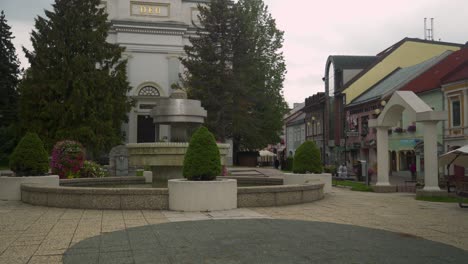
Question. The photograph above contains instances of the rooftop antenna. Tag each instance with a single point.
(429, 32)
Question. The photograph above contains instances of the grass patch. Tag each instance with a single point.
(441, 199)
(355, 186)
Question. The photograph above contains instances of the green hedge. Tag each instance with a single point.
(288, 164)
(307, 159)
(30, 157)
(330, 169)
(202, 161)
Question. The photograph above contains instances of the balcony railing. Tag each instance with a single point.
(456, 132)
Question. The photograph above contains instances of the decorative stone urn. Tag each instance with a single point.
(312, 178)
(197, 196)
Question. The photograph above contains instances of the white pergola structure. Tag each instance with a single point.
(420, 112)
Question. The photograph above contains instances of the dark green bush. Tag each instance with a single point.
(29, 157)
(202, 161)
(307, 159)
(8, 141)
(288, 164)
(330, 169)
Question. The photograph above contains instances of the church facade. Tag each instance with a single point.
(153, 33)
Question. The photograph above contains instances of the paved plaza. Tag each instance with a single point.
(345, 227)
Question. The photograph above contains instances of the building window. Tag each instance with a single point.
(456, 113)
(148, 91)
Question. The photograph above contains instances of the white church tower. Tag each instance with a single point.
(153, 33)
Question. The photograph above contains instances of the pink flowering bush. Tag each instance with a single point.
(67, 159)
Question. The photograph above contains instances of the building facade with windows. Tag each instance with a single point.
(315, 129)
(294, 129)
(455, 88)
(339, 69)
(153, 33)
(361, 141)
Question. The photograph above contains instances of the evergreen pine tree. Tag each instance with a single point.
(77, 84)
(9, 78)
(259, 68)
(209, 76)
(235, 67)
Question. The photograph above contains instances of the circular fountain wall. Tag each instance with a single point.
(66, 196)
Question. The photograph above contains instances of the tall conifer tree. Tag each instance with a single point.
(9, 78)
(9, 74)
(209, 74)
(77, 84)
(235, 67)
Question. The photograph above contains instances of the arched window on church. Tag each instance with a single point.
(148, 91)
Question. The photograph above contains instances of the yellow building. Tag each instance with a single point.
(405, 53)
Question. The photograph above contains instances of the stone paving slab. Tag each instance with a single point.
(34, 234)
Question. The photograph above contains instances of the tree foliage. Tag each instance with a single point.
(29, 157)
(9, 79)
(202, 161)
(77, 83)
(235, 67)
(307, 159)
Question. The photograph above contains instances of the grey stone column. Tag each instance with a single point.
(382, 157)
(431, 171)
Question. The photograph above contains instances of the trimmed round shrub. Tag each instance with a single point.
(67, 159)
(307, 159)
(202, 161)
(30, 157)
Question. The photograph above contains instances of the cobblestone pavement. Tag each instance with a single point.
(30, 234)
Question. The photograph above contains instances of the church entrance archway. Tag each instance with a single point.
(146, 131)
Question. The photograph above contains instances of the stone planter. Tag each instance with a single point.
(10, 187)
(325, 178)
(196, 196)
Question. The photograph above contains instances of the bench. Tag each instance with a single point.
(451, 181)
(462, 192)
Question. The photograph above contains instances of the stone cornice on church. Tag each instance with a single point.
(160, 28)
(164, 49)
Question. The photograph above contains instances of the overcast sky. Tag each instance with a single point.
(314, 30)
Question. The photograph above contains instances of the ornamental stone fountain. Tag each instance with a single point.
(166, 159)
